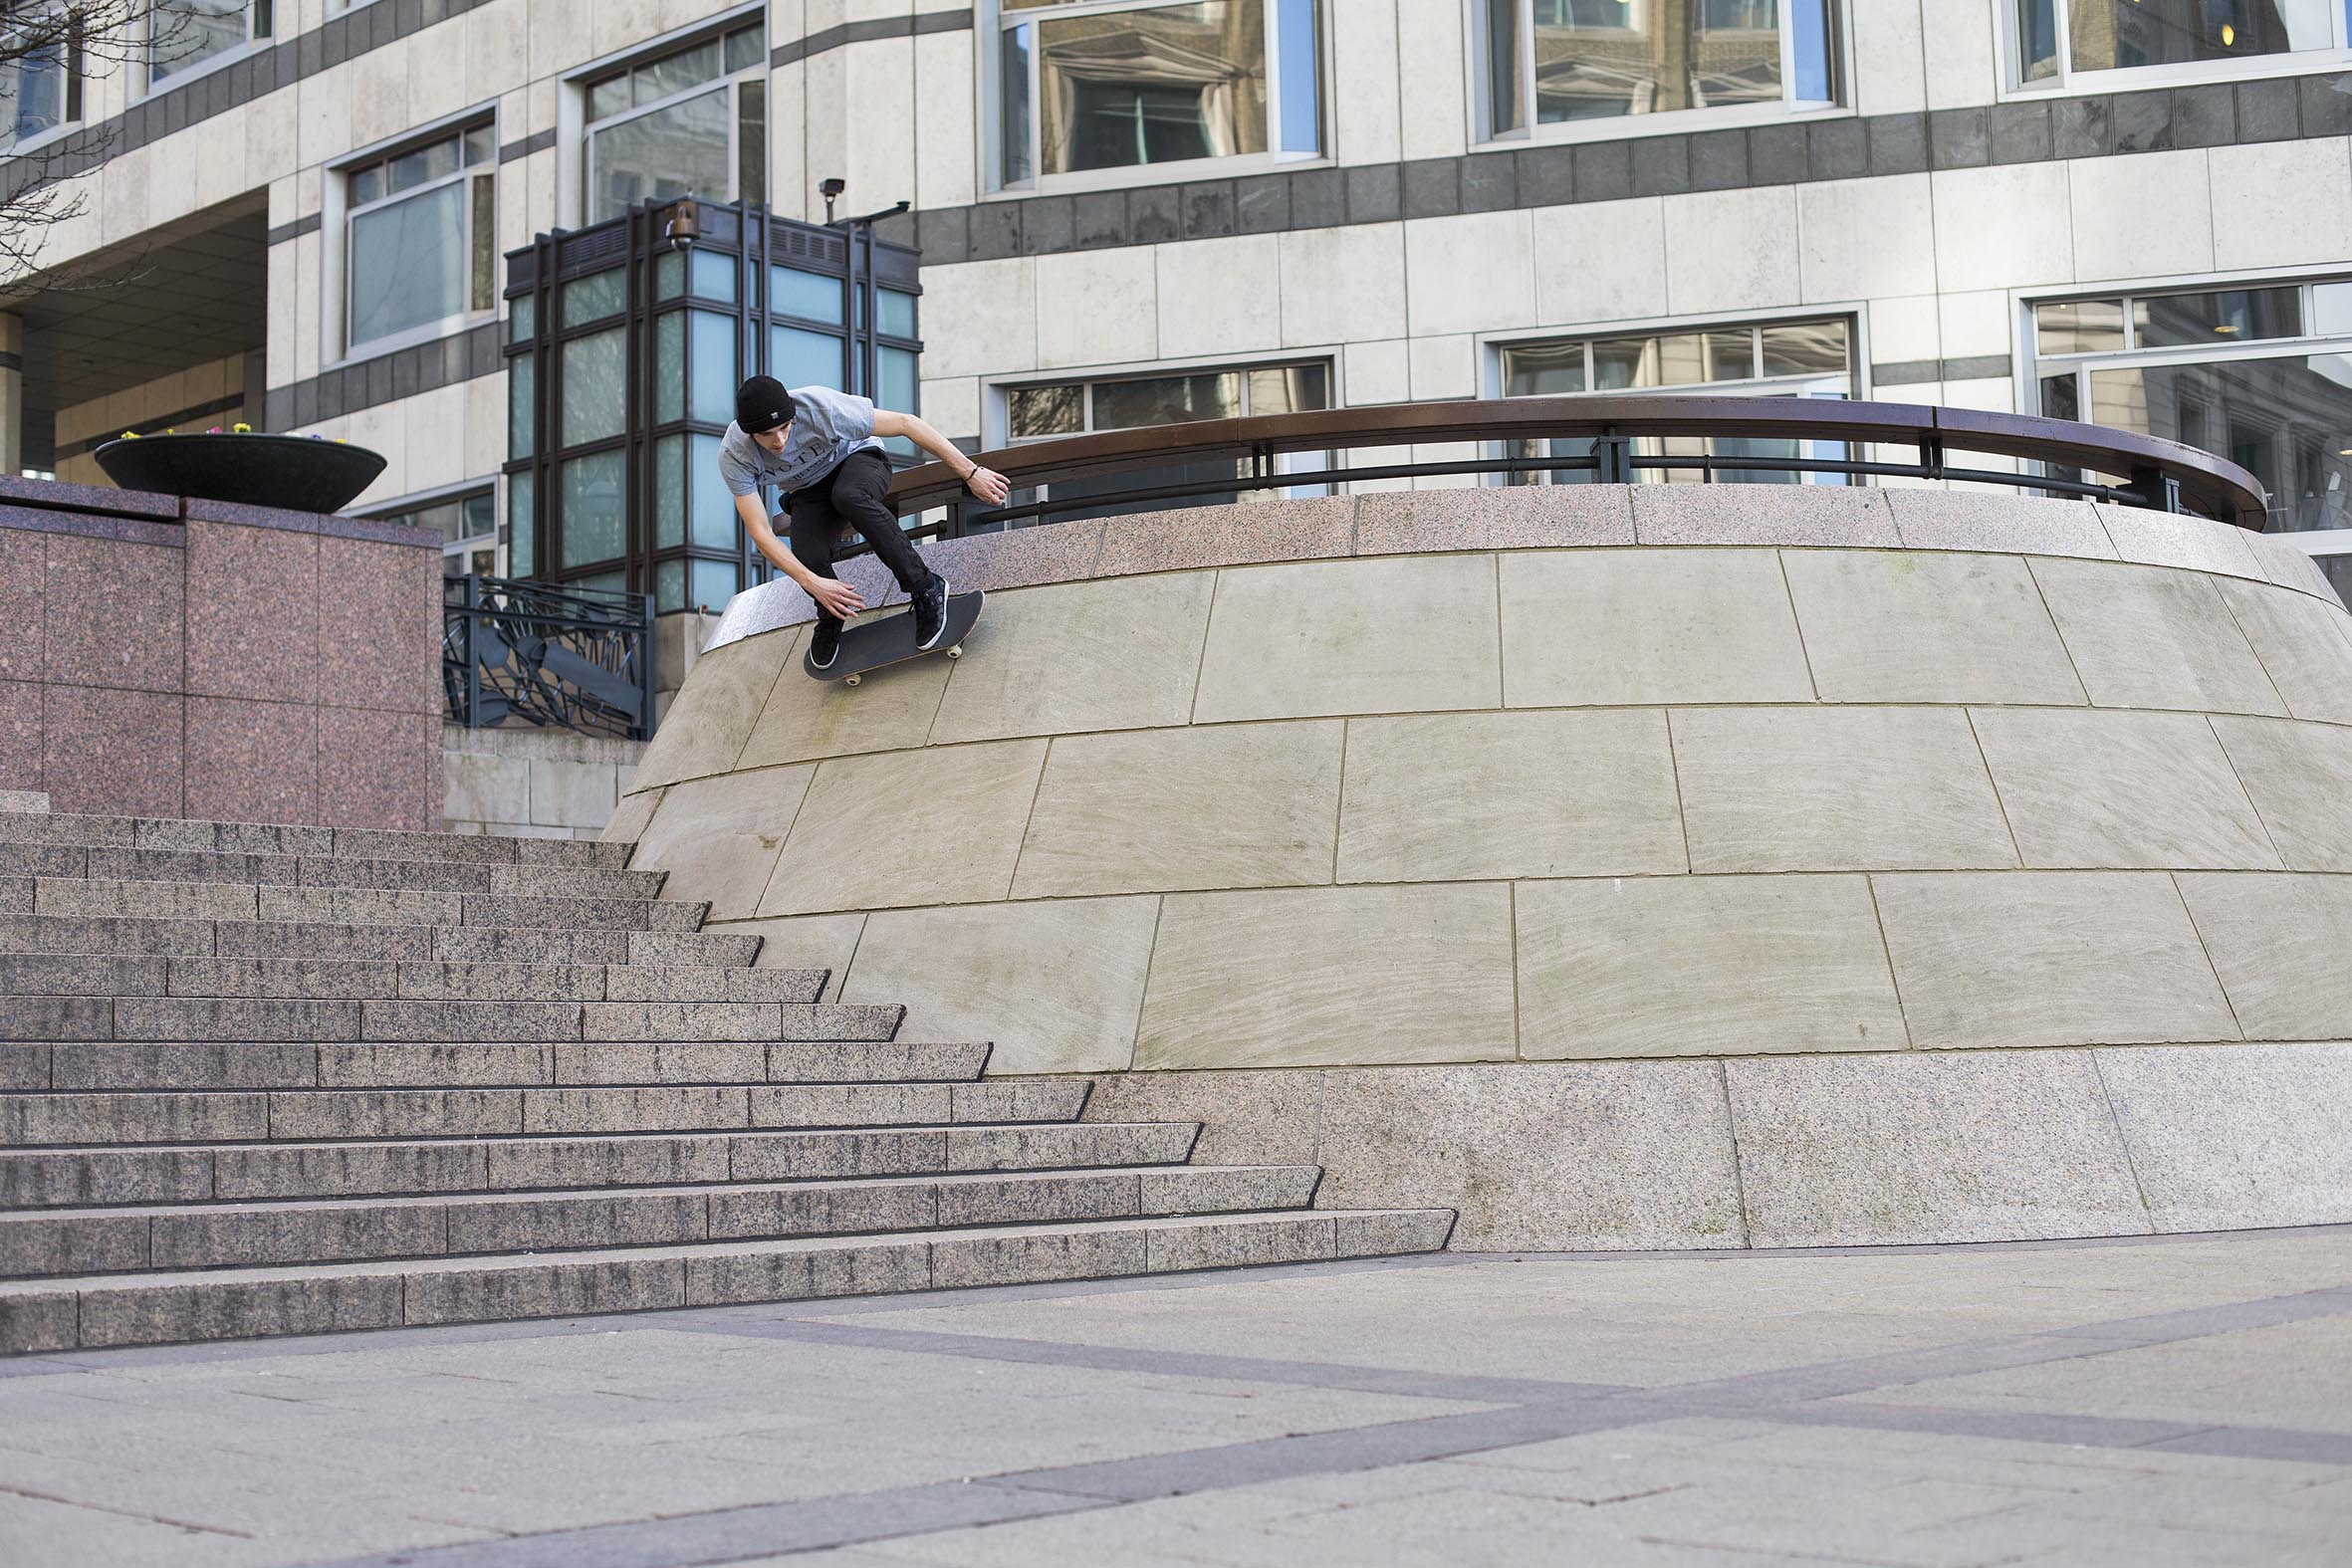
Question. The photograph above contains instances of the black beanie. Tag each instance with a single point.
(762, 403)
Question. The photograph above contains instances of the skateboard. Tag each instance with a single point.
(872, 644)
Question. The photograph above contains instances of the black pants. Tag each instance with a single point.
(851, 497)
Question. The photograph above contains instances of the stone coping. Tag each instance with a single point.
(135, 517)
(1489, 517)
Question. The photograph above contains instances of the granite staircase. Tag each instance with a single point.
(263, 1080)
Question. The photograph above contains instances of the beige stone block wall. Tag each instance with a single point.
(539, 784)
(1330, 790)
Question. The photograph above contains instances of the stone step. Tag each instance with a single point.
(190, 1019)
(171, 833)
(332, 979)
(425, 876)
(248, 1173)
(47, 1245)
(126, 1117)
(144, 1309)
(239, 902)
(140, 937)
(302, 1064)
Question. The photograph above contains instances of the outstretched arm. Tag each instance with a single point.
(836, 597)
(986, 483)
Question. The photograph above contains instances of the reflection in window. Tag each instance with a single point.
(41, 84)
(1141, 85)
(2262, 376)
(469, 530)
(420, 238)
(1574, 60)
(191, 32)
(2055, 37)
(692, 123)
(1064, 408)
(1773, 359)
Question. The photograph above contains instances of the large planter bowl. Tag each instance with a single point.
(292, 472)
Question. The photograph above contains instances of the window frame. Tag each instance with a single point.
(73, 114)
(2033, 366)
(991, 21)
(256, 40)
(2067, 82)
(342, 172)
(1478, 52)
(458, 493)
(582, 84)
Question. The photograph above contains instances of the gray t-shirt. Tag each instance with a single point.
(827, 427)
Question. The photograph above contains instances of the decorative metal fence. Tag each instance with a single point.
(534, 653)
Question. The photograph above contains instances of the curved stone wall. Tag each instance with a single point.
(1959, 851)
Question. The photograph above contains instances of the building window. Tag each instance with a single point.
(690, 122)
(2057, 40)
(192, 32)
(420, 239)
(1805, 358)
(1103, 88)
(1554, 62)
(1067, 408)
(41, 88)
(2261, 374)
(472, 540)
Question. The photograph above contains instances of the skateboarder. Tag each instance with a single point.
(823, 451)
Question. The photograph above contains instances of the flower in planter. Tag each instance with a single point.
(131, 435)
(243, 429)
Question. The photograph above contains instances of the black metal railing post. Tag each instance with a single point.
(473, 662)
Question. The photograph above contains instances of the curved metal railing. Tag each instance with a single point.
(2143, 471)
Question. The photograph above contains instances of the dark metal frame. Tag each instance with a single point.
(541, 656)
(2158, 474)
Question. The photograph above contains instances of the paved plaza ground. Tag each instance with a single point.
(2138, 1403)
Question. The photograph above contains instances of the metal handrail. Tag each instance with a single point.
(542, 654)
(2156, 474)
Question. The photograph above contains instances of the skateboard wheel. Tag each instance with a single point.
(956, 652)
(855, 679)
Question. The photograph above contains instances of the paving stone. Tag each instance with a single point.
(574, 882)
(197, 1018)
(394, 1113)
(675, 1107)
(172, 865)
(120, 1118)
(80, 975)
(605, 914)
(472, 1293)
(233, 1308)
(852, 1105)
(524, 945)
(434, 1064)
(146, 900)
(823, 1209)
(785, 1272)
(321, 979)
(37, 1320)
(295, 1234)
(340, 1170)
(105, 1176)
(650, 1161)
(323, 940)
(34, 1245)
(375, 906)
(384, 844)
(33, 859)
(707, 983)
(1025, 1256)
(57, 1018)
(881, 1061)
(103, 933)
(468, 1020)
(191, 1064)
(560, 1221)
(1093, 1195)
(448, 981)
(661, 1061)
(24, 1064)
(656, 946)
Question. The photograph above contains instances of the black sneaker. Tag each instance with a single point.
(930, 615)
(824, 644)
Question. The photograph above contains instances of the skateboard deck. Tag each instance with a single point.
(872, 644)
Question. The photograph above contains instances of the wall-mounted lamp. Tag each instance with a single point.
(831, 191)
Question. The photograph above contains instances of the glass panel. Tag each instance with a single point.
(595, 295)
(713, 583)
(1046, 410)
(669, 492)
(751, 140)
(1543, 371)
(661, 78)
(2119, 34)
(367, 184)
(1682, 359)
(2287, 419)
(1599, 58)
(601, 583)
(196, 31)
(1621, 362)
(2331, 303)
(484, 239)
(669, 367)
(522, 317)
(32, 95)
(2078, 327)
(710, 509)
(481, 145)
(608, 98)
(669, 275)
(1506, 90)
(2037, 38)
(745, 46)
(1137, 88)
(1300, 97)
(1731, 355)
(420, 164)
(481, 516)
(1013, 124)
(1809, 348)
(592, 404)
(799, 358)
(681, 150)
(2338, 572)
(897, 312)
(896, 375)
(522, 404)
(1817, 63)
(408, 264)
(669, 586)
(1166, 401)
(1289, 389)
(519, 488)
(589, 510)
(712, 276)
(2177, 321)
(808, 294)
(713, 374)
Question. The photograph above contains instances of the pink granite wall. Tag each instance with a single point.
(171, 658)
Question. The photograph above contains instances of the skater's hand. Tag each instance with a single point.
(835, 598)
(988, 484)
